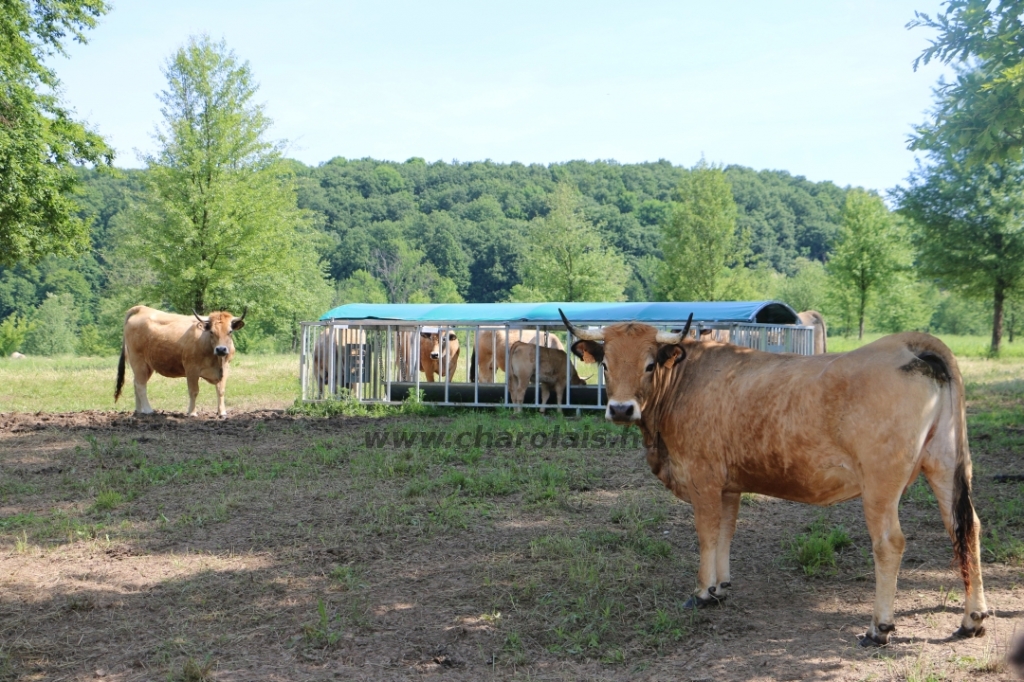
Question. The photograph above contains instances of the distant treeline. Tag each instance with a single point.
(470, 224)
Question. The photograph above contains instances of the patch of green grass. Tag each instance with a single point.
(107, 500)
(815, 551)
(920, 493)
(193, 671)
(72, 384)
(348, 577)
(322, 633)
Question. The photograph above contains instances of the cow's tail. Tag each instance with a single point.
(120, 362)
(120, 374)
(965, 530)
(938, 362)
(472, 366)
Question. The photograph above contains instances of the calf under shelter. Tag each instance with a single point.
(457, 354)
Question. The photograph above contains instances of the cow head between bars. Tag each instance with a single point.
(719, 420)
(433, 346)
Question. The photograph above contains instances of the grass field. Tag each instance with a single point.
(962, 346)
(292, 547)
(71, 384)
(67, 384)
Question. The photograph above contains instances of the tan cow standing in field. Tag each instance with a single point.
(489, 354)
(720, 420)
(177, 346)
(523, 359)
(812, 318)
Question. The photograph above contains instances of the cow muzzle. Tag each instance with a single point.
(622, 411)
(220, 351)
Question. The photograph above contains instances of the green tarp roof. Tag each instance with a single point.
(771, 312)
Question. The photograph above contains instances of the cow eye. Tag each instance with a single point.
(207, 326)
(650, 367)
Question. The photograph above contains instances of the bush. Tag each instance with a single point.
(56, 321)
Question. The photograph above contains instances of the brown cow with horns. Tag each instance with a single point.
(177, 346)
(720, 420)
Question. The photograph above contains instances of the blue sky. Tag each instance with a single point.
(823, 89)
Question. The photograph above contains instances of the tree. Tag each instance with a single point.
(697, 240)
(39, 140)
(979, 117)
(55, 324)
(870, 251)
(219, 226)
(566, 259)
(970, 234)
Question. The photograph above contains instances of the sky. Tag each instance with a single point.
(826, 90)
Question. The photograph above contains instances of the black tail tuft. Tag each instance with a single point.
(472, 366)
(963, 519)
(120, 375)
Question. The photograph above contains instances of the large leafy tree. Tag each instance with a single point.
(870, 253)
(39, 139)
(567, 259)
(698, 238)
(970, 233)
(979, 116)
(220, 226)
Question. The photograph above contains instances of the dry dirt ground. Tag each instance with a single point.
(278, 547)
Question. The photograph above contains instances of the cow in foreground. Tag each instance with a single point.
(489, 353)
(812, 318)
(431, 361)
(177, 346)
(720, 420)
(522, 357)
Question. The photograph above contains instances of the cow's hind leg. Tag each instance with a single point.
(545, 393)
(941, 478)
(193, 393)
(726, 529)
(141, 373)
(887, 544)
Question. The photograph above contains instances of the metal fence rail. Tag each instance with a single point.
(386, 363)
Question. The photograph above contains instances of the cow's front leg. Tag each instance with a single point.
(222, 410)
(193, 393)
(707, 515)
(726, 529)
(887, 544)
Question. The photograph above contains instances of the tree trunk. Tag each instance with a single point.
(997, 316)
(860, 314)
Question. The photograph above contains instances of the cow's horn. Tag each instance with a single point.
(197, 316)
(669, 337)
(244, 311)
(583, 334)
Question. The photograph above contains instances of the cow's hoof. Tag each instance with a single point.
(880, 639)
(869, 640)
(695, 602)
(967, 633)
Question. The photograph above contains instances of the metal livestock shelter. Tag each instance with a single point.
(372, 351)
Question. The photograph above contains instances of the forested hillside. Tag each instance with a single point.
(453, 231)
(471, 219)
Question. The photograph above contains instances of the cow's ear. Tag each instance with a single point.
(590, 352)
(452, 336)
(669, 355)
(237, 324)
(426, 335)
